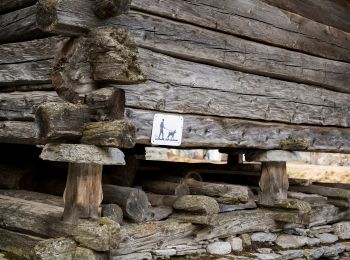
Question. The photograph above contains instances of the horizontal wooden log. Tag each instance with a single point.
(20, 25)
(331, 12)
(165, 187)
(17, 132)
(202, 45)
(200, 131)
(256, 20)
(17, 245)
(7, 6)
(324, 191)
(34, 196)
(197, 204)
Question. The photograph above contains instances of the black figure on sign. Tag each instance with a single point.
(161, 132)
(171, 135)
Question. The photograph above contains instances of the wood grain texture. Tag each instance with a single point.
(256, 20)
(223, 50)
(7, 6)
(20, 25)
(221, 92)
(18, 132)
(201, 131)
(334, 13)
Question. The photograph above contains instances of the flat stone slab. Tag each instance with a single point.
(272, 156)
(82, 153)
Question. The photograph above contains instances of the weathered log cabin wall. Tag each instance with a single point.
(244, 74)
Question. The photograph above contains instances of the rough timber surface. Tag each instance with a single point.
(334, 13)
(212, 91)
(7, 6)
(256, 20)
(223, 50)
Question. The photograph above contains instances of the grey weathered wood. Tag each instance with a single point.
(160, 213)
(257, 20)
(324, 191)
(273, 182)
(234, 207)
(34, 196)
(61, 120)
(205, 46)
(17, 244)
(117, 133)
(200, 131)
(161, 200)
(20, 25)
(148, 236)
(18, 133)
(109, 8)
(112, 211)
(9, 5)
(41, 87)
(331, 12)
(310, 198)
(133, 202)
(165, 187)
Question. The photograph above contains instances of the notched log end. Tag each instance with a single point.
(108, 8)
(114, 56)
(294, 143)
(46, 16)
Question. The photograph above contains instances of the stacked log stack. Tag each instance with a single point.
(86, 77)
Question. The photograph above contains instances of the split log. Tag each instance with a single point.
(112, 211)
(255, 20)
(201, 131)
(294, 211)
(105, 55)
(148, 236)
(326, 213)
(310, 198)
(223, 193)
(165, 187)
(16, 176)
(34, 196)
(161, 200)
(118, 133)
(273, 182)
(199, 204)
(109, 8)
(17, 132)
(7, 6)
(83, 192)
(227, 51)
(330, 12)
(19, 246)
(133, 202)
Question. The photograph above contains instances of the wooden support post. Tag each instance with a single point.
(273, 182)
(83, 192)
(274, 179)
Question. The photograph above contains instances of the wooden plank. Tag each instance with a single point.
(7, 6)
(17, 132)
(334, 13)
(256, 20)
(20, 25)
(201, 131)
(206, 46)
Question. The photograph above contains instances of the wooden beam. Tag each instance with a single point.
(7, 6)
(330, 12)
(216, 132)
(228, 51)
(256, 20)
(109, 8)
(17, 132)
